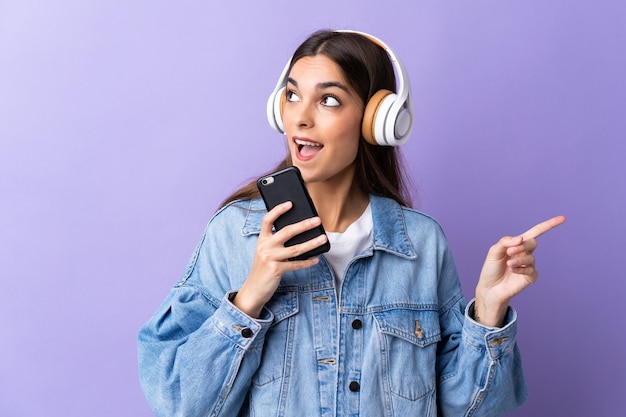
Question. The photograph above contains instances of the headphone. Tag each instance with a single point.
(388, 116)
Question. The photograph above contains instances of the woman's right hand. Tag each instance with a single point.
(271, 259)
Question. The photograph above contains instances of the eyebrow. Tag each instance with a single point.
(321, 86)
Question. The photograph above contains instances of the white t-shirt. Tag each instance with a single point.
(345, 246)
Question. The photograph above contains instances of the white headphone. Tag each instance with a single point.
(388, 116)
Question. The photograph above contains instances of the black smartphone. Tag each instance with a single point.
(288, 185)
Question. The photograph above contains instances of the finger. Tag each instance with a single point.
(527, 246)
(295, 229)
(268, 220)
(306, 263)
(500, 249)
(541, 228)
(528, 271)
(290, 252)
(521, 261)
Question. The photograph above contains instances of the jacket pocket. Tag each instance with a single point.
(408, 340)
(279, 338)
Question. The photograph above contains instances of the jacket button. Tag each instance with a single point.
(246, 332)
(357, 324)
(498, 341)
(354, 386)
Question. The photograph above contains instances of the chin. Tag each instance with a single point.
(307, 175)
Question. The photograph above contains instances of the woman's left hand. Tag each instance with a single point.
(507, 271)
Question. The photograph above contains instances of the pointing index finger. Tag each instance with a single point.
(541, 228)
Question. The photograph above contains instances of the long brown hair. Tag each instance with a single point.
(366, 66)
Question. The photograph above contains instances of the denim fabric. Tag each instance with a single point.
(398, 340)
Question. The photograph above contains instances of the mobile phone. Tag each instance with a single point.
(288, 185)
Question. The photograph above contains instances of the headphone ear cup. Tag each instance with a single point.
(372, 127)
(275, 106)
(283, 100)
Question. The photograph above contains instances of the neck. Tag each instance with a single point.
(338, 203)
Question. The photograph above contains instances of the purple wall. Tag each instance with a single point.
(123, 124)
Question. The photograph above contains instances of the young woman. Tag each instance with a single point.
(376, 327)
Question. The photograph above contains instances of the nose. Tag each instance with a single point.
(299, 114)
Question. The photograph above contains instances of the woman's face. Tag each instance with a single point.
(322, 118)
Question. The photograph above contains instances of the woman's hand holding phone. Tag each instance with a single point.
(271, 259)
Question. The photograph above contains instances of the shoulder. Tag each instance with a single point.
(423, 230)
(403, 230)
(391, 214)
(421, 219)
(245, 215)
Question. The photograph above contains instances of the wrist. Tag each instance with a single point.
(246, 304)
(489, 314)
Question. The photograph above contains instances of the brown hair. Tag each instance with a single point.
(367, 68)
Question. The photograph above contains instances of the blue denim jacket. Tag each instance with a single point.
(398, 340)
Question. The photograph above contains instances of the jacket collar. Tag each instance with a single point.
(390, 234)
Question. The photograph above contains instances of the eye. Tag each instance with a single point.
(291, 96)
(330, 101)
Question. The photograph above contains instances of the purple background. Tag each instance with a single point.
(124, 124)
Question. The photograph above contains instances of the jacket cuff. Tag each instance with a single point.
(243, 330)
(497, 341)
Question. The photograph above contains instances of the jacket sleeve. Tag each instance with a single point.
(198, 352)
(479, 368)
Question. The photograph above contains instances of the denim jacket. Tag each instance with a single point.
(397, 340)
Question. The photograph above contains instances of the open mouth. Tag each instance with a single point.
(307, 149)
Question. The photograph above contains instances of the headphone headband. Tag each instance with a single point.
(388, 116)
